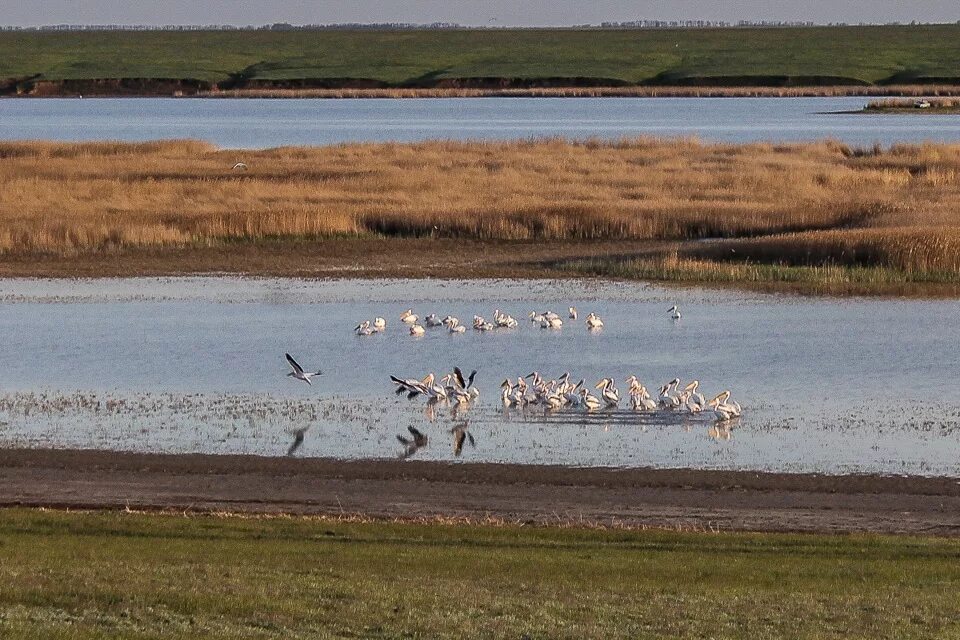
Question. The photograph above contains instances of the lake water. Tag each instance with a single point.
(196, 365)
(258, 123)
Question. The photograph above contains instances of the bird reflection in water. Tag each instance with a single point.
(413, 444)
(298, 436)
(461, 433)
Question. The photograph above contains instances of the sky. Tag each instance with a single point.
(466, 12)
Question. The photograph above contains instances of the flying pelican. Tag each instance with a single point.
(408, 317)
(674, 312)
(240, 166)
(298, 371)
(412, 386)
(417, 330)
(594, 322)
(573, 313)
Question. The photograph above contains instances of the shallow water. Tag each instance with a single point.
(196, 365)
(254, 123)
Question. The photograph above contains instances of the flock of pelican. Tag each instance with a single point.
(500, 320)
(563, 393)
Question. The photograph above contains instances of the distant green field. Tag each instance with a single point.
(115, 575)
(880, 54)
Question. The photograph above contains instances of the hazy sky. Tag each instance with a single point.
(468, 12)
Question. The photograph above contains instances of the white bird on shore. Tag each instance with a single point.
(674, 312)
(298, 371)
(408, 317)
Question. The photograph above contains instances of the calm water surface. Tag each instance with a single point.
(196, 365)
(268, 123)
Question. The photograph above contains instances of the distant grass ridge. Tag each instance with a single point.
(118, 575)
(725, 57)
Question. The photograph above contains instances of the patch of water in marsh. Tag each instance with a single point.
(196, 365)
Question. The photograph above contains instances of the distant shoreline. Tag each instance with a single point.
(497, 88)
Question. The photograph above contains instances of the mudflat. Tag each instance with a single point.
(471, 492)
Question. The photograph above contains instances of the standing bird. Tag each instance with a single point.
(298, 371)
(674, 312)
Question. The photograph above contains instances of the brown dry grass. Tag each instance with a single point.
(820, 203)
(899, 104)
(596, 92)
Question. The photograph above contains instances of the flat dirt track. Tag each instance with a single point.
(541, 495)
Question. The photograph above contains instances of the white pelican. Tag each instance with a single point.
(573, 313)
(594, 322)
(504, 320)
(588, 400)
(364, 329)
(674, 312)
(609, 392)
(298, 371)
(379, 323)
(417, 330)
(412, 386)
(433, 320)
(667, 399)
(723, 409)
(240, 166)
(408, 317)
(551, 322)
(480, 324)
(691, 399)
(455, 327)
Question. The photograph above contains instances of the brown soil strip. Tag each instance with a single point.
(396, 257)
(388, 489)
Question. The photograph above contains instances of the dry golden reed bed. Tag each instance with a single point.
(897, 104)
(651, 91)
(793, 204)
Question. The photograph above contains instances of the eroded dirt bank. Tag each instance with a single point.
(687, 499)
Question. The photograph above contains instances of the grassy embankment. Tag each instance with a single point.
(166, 62)
(934, 106)
(95, 575)
(818, 217)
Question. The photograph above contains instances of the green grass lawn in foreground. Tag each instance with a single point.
(97, 575)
